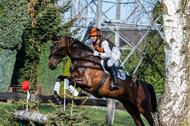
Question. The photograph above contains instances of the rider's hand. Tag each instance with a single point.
(96, 53)
(102, 55)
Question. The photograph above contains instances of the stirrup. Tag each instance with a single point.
(114, 86)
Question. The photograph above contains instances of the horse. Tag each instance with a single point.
(86, 72)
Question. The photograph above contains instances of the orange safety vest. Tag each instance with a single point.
(99, 48)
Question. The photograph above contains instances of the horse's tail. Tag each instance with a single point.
(153, 97)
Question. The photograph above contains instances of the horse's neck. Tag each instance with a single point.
(79, 50)
(78, 53)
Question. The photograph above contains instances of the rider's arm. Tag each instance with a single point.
(88, 42)
(107, 51)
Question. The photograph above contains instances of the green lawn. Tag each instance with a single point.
(122, 118)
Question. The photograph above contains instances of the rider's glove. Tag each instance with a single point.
(102, 55)
(96, 53)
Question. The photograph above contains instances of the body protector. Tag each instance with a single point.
(107, 51)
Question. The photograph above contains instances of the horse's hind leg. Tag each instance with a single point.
(149, 118)
(133, 111)
(145, 110)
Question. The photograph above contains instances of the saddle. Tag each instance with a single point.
(121, 73)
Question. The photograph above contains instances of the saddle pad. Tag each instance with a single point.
(121, 73)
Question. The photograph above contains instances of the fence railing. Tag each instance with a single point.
(46, 95)
(15, 90)
(45, 92)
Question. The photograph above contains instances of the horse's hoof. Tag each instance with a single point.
(57, 99)
(82, 93)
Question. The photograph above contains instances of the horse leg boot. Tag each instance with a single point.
(56, 91)
(115, 85)
(57, 86)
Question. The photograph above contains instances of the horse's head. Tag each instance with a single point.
(58, 50)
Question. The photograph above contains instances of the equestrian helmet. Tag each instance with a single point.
(96, 32)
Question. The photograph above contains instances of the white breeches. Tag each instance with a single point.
(116, 54)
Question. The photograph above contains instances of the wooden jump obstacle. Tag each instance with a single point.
(45, 99)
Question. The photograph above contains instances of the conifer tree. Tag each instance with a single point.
(45, 19)
(151, 69)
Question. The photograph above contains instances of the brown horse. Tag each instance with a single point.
(86, 72)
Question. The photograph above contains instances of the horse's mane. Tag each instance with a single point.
(78, 43)
(82, 50)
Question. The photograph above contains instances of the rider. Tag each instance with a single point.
(107, 51)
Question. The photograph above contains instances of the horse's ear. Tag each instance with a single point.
(54, 37)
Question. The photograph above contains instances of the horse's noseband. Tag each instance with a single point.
(52, 56)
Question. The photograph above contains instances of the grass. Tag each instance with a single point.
(4, 107)
(98, 117)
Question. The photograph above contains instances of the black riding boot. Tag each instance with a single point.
(115, 84)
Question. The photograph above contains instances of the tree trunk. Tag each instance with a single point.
(174, 105)
(186, 17)
(31, 116)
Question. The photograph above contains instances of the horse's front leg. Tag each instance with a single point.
(81, 82)
(61, 78)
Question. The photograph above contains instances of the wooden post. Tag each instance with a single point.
(112, 102)
(39, 89)
(66, 85)
(110, 111)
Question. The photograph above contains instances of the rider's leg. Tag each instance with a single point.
(103, 67)
(115, 85)
(116, 54)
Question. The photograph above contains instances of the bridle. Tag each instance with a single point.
(55, 57)
(68, 44)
